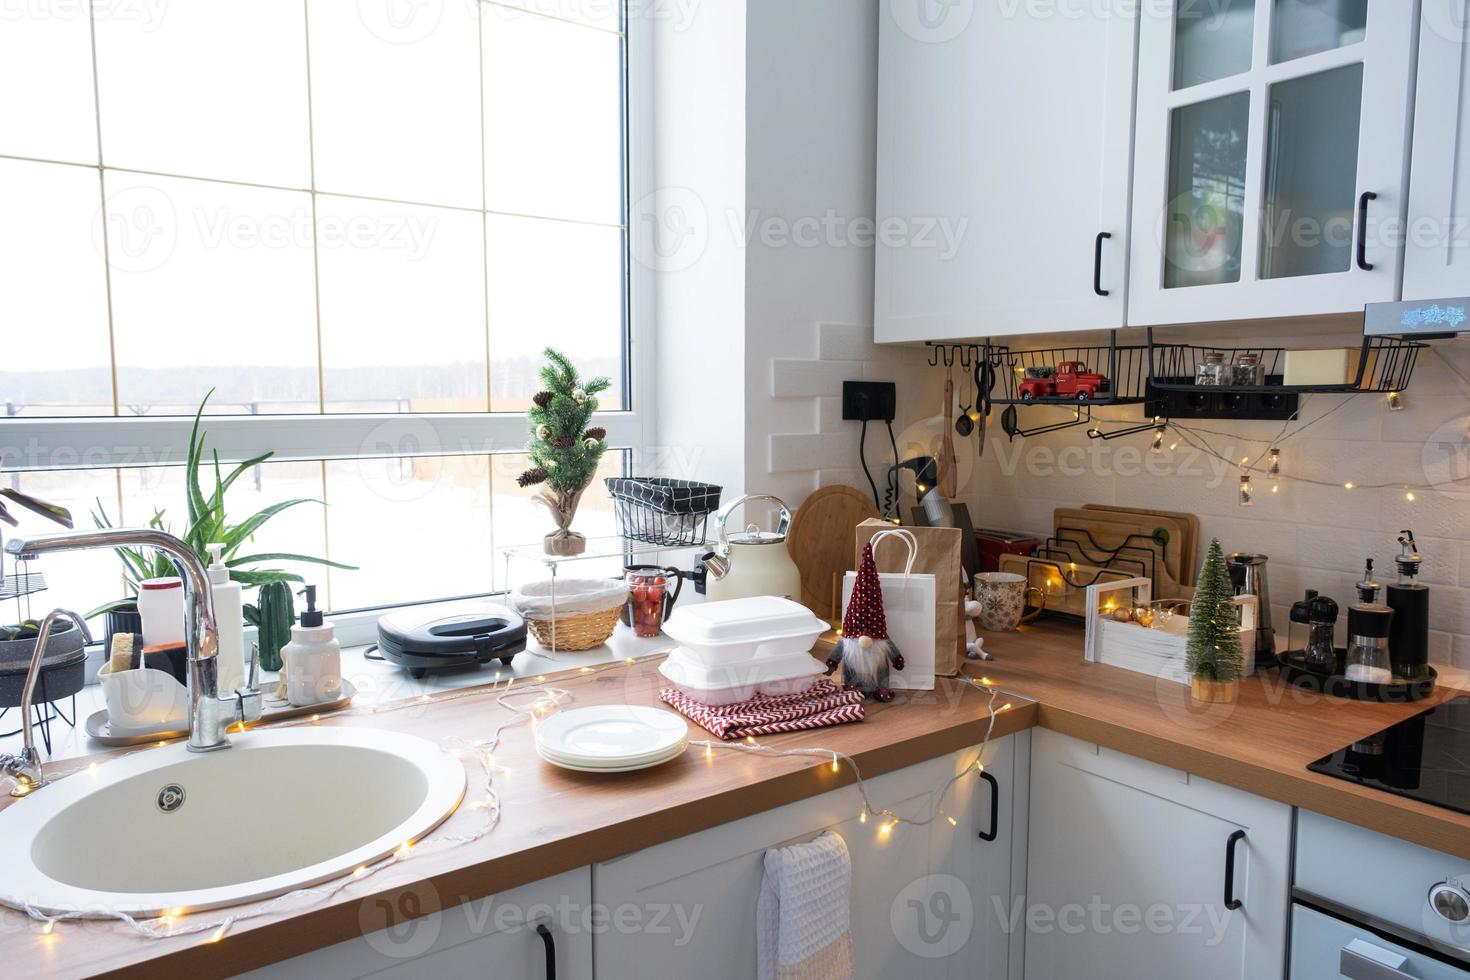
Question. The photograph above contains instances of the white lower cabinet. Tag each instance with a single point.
(1131, 866)
(927, 901)
(494, 938)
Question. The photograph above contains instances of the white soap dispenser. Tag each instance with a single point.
(313, 657)
(229, 620)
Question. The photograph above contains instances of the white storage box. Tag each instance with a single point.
(733, 630)
(730, 683)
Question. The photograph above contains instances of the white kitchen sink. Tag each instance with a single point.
(278, 810)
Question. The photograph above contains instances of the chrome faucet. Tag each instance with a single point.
(25, 770)
(210, 713)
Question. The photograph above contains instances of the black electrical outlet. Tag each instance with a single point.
(1205, 403)
(875, 401)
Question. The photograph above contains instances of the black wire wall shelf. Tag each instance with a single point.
(1381, 365)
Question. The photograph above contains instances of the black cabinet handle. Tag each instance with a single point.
(1363, 262)
(1231, 902)
(994, 807)
(545, 935)
(1102, 236)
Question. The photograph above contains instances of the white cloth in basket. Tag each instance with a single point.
(573, 595)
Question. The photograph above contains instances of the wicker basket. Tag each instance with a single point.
(585, 611)
(576, 631)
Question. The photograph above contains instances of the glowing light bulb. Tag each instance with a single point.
(1409, 496)
(952, 821)
(1273, 464)
(1395, 402)
(863, 817)
(1158, 447)
(1247, 496)
(1349, 485)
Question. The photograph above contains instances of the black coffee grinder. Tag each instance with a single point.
(1408, 637)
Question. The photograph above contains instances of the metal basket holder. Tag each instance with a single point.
(661, 510)
(1385, 364)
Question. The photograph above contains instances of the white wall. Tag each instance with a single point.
(766, 118)
(697, 177)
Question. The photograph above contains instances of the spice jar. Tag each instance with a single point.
(1212, 370)
(1247, 369)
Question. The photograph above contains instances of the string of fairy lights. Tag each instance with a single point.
(177, 923)
(1269, 462)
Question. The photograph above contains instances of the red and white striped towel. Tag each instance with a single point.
(817, 707)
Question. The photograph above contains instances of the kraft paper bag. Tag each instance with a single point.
(938, 555)
(908, 608)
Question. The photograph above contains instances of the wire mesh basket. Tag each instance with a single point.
(1380, 365)
(1034, 377)
(661, 510)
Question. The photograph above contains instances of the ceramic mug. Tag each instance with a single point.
(1002, 597)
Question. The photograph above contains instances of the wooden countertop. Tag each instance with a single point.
(1263, 743)
(555, 820)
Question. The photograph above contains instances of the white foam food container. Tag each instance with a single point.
(743, 629)
(730, 683)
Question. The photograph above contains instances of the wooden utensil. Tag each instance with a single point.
(948, 478)
(820, 542)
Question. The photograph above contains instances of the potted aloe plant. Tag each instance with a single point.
(208, 523)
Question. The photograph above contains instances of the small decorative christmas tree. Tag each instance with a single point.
(1212, 654)
(564, 451)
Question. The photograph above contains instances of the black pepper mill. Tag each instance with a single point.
(1408, 637)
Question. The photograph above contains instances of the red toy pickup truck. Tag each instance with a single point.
(1071, 380)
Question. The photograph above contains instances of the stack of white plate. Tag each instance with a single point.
(611, 738)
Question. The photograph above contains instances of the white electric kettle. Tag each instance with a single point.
(752, 562)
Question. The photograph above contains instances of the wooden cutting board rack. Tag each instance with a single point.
(1100, 544)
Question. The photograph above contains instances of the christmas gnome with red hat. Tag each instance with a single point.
(865, 651)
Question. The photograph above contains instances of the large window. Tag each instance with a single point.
(356, 222)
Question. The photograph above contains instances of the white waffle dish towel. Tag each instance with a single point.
(803, 914)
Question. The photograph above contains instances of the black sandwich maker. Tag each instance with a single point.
(469, 634)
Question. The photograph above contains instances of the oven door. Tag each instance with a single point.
(1324, 947)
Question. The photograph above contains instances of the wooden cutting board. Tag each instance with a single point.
(1114, 530)
(820, 542)
(1188, 548)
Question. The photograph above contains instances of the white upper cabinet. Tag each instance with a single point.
(1437, 259)
(1004, 136)
(1271, 155)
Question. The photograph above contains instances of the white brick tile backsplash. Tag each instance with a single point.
(792, 452)
(829, 414)
(1460, 656)
(844, 342)
(801, 378)
(1441, 647)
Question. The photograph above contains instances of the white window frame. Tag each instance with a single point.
(35, 444)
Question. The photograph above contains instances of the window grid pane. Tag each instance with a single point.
(209, 248)
(258, 271)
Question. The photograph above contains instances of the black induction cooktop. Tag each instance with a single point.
(1426, 758)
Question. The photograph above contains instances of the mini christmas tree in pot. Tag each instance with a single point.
(1213, 654)
(564, 451)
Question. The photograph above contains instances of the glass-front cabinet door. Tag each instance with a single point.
(1271, 155)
